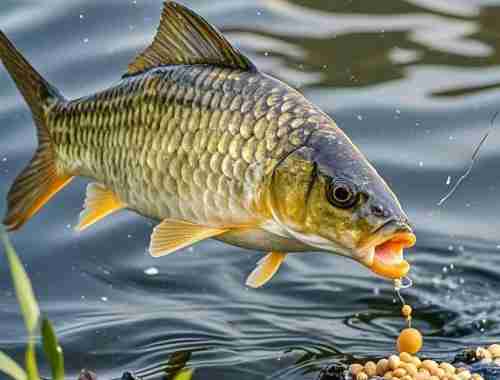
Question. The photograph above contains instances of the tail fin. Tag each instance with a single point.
(40, 180)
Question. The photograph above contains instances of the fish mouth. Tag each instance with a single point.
(383, 253)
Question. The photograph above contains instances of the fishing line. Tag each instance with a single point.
(474, 157)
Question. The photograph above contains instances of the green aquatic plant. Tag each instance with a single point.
(51, 348)
(31, 314)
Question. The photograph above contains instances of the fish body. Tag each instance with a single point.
(196, 137)
(188, 142)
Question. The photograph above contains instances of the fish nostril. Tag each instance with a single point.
(378, 210)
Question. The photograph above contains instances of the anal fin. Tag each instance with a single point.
(266, 269)
(99, 203)
(172, 235)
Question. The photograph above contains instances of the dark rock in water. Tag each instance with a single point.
(129, 376)
(333, 372)
(467, 356)
(87, 375)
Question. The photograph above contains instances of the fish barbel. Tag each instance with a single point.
(196, 137)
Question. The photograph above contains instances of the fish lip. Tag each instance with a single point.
(382, 252)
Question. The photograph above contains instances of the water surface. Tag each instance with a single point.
(414, 83)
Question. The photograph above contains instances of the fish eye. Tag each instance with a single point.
(341, 193)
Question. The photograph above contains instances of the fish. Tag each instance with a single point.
(199, 139)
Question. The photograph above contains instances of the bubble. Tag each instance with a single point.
(153, 271)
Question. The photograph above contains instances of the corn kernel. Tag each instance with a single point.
(382, 367)
(394, 362)
(494, 349)
(370, 369)
(361, 376)
(356, 368)
(400, 372)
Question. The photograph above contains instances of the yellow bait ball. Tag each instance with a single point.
(406, 310)
(409, 340)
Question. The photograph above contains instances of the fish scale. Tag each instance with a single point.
(188, 142)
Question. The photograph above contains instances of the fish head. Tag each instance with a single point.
(328, 196)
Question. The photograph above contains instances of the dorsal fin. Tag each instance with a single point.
(184, 37)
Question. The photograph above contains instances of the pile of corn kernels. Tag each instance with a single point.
(409, 367)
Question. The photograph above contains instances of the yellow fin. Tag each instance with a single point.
(185, 38)
(34, 187)
(41, 179)
(172, 235)
(266, 269)
(99, 203)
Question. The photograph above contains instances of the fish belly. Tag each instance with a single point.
(195, 143)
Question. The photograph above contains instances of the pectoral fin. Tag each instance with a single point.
(99, 203)
(172, 235)
(266, 269)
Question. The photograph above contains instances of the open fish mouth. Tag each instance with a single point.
(383, 254)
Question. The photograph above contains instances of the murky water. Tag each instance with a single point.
(414, 83)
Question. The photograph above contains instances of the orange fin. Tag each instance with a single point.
(41, 179)
(172, 235)
(99, 203)
(185, 38)
(34, 187)
(266, 269)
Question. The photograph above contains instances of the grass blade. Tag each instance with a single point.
(22, 285)
(52, 350)
(184, 374)
(11, 368)
(31, 366)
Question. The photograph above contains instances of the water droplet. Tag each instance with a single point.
(82, 16)
(151, 271)
(259, 13)
(451, 138)
(421, 163)
(360, 117)
(448, 180)
(85, 40)
(266, 54)
(398, 111)
(104, 299)
(450, 248)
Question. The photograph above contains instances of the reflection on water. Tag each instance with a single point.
(414, 83)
